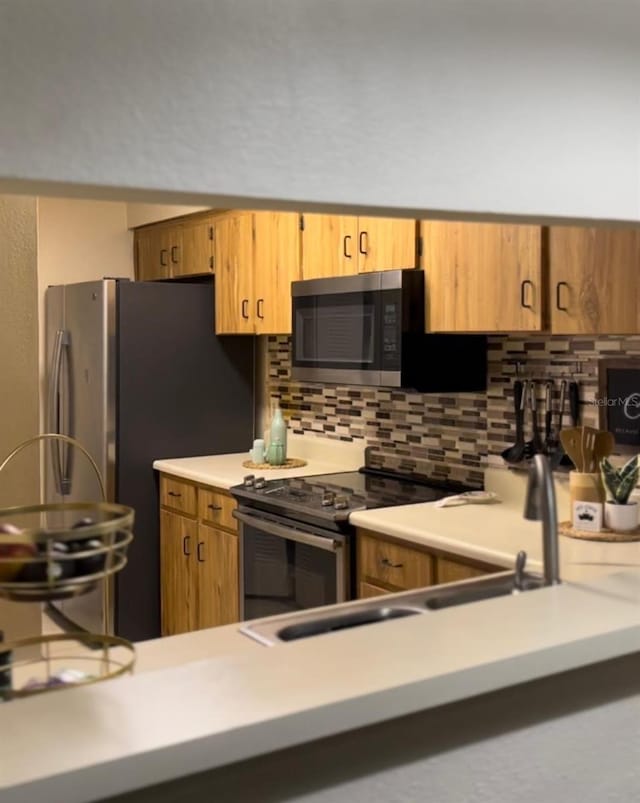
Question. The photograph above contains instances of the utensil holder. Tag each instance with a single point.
(585, 487)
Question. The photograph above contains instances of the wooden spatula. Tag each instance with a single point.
(604, 446)
(571, 440)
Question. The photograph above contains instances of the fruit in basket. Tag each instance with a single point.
(90, 564)
(19, 553)
(57, 568)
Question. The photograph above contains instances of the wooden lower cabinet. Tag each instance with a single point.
(198, 562)
(385, 565)
(178, 536)
(217, 567)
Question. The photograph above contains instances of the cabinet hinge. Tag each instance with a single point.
(211, 232)
(301, 222)
(420, 246)
(211, 262)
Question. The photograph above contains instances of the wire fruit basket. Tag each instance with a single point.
(57, 551)
(65, 660)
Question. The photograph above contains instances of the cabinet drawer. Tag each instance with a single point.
(393, 564)
(178, 495)
(450, 571)
(367, 590)
(216, 507)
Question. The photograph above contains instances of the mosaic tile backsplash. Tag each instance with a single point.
(447, 436)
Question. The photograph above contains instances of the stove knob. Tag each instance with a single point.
(328, 498)
(249, 481)
(259, 483)
(341, 503)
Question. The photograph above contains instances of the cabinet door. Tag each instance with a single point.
(386, 244)
(276, 265)
(178, 542)
(329, 246)
(233, 245)
(482, 277)
(595, 280)
(151, 261)
(197, 248)
(217, 571)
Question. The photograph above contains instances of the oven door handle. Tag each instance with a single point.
(317, 541)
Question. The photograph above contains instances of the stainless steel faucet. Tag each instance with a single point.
(540, 505)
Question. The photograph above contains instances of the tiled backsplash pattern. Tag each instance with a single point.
(453, 436)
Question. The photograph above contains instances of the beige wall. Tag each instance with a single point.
(141, 214)
(79, 241)
(19, 482)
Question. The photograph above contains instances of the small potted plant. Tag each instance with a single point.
(619, 514)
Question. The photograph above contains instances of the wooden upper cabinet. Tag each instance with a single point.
(276, 264)
(234, 296)
(595, 280)
(197, 248)
(329, 246)
(150, 262)
(482, 277)
(386, 244)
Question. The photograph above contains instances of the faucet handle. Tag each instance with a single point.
(521, 560)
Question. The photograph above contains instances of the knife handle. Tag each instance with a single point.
(574, 402)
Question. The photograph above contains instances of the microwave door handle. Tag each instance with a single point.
(317, 541)
(53, 423)
(68, 448)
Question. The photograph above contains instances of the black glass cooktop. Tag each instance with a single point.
(334, 496)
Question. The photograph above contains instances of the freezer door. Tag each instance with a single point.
(82, 394)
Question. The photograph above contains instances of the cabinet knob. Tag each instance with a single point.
(559, 305)
(390, 565)
(524, 286)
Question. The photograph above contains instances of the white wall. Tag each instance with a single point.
(141, 214)
(500, 106)
(19, 481)
(79, 241)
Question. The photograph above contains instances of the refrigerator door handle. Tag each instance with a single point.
(53, 424)
(67, 448)
(62, 477)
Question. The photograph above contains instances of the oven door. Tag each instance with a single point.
(348, 329)
(285, 569)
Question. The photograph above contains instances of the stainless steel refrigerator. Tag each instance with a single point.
(135, 372)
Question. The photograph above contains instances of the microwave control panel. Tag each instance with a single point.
(391, 334)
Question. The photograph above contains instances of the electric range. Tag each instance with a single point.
(296, 544)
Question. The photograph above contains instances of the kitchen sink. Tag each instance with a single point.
(343, 621)
(426, 601)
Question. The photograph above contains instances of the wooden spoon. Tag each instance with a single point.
(571, 440)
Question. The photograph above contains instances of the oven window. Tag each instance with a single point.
(281, 576)
(336, 331)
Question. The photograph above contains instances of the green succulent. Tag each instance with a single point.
(620, 482)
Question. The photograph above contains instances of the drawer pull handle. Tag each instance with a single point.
(198, 554)
(185, 542)
(390, 565)
(214, 507)
(559, 304)
(173, 493)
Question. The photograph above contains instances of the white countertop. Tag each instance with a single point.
(323, 456)
(244, 700)
(495, 533)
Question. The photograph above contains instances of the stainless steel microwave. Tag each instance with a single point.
(368, 329)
